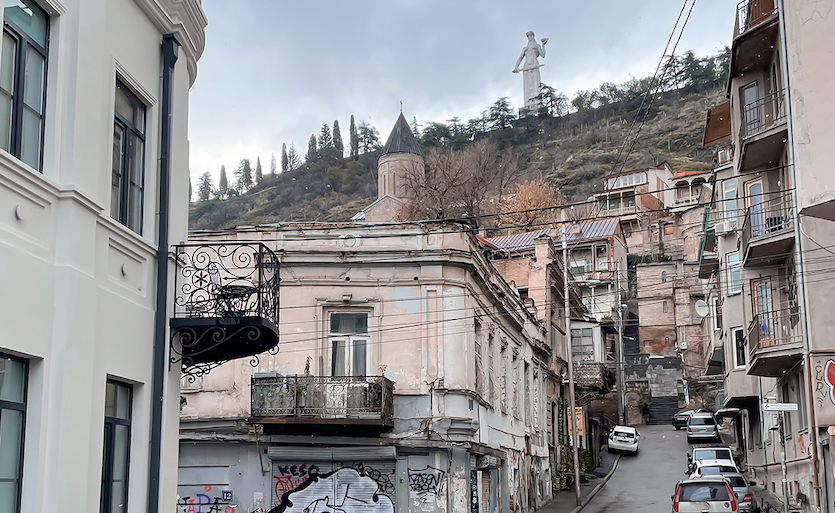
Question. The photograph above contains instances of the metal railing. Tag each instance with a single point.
(750, 13)
(324, 397)
(763, 114)
(592, 375)
(774, 328)
(221, 280)
(620, 211)
(767, 218)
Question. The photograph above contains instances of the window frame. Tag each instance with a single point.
(350, 340)
(733, 267)
(19, 75)
(736, 347)
(21, 407)
(130, 130)
(106, 498)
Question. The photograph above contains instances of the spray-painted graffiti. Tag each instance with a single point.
(289, 477)
(339, 491)
(384, 479)
(428, 480)
(202, 503)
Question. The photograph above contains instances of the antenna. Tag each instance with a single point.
(701, 308)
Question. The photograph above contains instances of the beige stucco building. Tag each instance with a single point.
(771, 199)
(425, 379)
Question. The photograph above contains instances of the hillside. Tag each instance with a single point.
(573, 152)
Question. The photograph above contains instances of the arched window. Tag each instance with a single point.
(663, 276)
(384, 186)
(682, 191)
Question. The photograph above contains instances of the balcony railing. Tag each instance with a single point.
(323, 397)
(774, 328)
(767, 218)
(763, 114)
(619, 211)
(750, 13)
(593, 375)
(226, 299)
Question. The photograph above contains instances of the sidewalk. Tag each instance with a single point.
(566, 501)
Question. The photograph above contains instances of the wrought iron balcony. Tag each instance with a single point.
(775, 340)
(751, 13)
(226, 298)
(763, 114)
(593, 376)
(322, 400)
(768, 229)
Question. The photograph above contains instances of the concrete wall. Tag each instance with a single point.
(78, 299)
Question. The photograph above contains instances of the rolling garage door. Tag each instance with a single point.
(318, 479)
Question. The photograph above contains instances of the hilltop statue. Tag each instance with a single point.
(530, 69)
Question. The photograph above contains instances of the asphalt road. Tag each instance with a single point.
(644, 483)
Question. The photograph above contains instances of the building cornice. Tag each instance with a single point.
(184, 18)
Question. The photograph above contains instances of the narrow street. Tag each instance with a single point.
(645, 482)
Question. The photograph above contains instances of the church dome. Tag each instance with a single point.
(402, 139)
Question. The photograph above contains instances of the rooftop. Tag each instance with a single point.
(593, 230)
(402, 139)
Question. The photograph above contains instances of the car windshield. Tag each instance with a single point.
(712, 454)
(625, 434)
(700, 492)
(738, 482)
(702, 421)
(713, 470)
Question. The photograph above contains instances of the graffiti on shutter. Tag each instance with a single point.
(333, 486)
(427, 484)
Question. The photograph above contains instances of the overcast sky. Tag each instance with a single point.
(275, 72)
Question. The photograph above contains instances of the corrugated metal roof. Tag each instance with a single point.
(517, 242)
(593, 230)
(402, 139)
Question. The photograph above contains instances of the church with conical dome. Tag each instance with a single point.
(400, 161)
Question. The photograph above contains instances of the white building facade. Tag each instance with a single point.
(86, 89)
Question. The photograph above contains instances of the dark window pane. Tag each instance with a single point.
(338, 358)
(116, 184)
(693, 492)
(135, 159)
(359, 358)
(7, 72)
(30, 18)
(349, 322)
(8, 495)
(11, 438)
(12, 380)
(32, 132)
(121, 448)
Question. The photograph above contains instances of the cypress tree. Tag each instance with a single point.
(354, 139)
(284, 158)
(259, 174)
(311, 148)
(337, 138)
(223, 184)
(325, 139)
(272, 164)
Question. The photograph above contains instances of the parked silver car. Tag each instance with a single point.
(742, 489)
(701, 426)
(706, 494)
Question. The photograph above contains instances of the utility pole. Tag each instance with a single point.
(620, 380)
(783, 464)
(571, 402)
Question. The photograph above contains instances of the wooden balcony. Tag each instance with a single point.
(775, 342)
(343, 400)
(226, 299)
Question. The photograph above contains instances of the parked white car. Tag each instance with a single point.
(712, 467)
(624, 439)
(706, 494)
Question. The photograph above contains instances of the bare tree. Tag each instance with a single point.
(459, 184)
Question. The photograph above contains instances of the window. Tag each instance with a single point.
(479, 366)
(23, 80)
(739, 347)
(128, 159)
(491, 369)
(515, 370)
(663, 276)
(13, 378)
(714, 313)
(664, 306)
(503, 378)
(733, 270)
(669, 230)
(116, 453)
(527, 394)
(349, 343)
(582, 344)
(729, 197)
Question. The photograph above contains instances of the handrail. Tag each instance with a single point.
(774, 328)
(750, 13)
(766, 218)
(323, 397)
(763, 114)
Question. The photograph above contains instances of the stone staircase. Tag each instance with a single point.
(662, 409)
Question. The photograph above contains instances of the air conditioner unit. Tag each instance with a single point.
(722, 228)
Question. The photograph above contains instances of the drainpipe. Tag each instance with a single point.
(170, 48)
(798, 255)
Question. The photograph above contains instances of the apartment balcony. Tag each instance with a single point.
(226, 298)
(768, 231)
(763, 132)
(755, 35)
(311, 400)
(683, 201)
(620, 211)
(775, 342)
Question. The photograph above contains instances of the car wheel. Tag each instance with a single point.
(678, 428)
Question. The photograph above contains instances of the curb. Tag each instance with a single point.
(597, 488)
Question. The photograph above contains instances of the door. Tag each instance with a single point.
(754, 203)
(763, 310)
(750, 109)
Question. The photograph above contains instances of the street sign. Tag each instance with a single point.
(780, 407)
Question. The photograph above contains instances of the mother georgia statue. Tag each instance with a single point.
(530, 69)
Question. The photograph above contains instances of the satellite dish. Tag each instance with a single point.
(701, 308)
